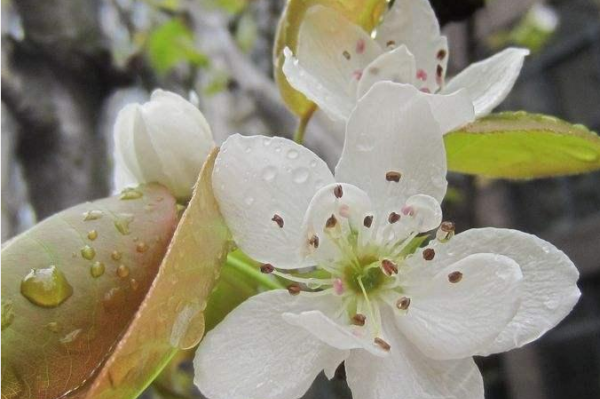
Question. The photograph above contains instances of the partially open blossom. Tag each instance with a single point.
(165, 140)
(405, 320)
(336, 62)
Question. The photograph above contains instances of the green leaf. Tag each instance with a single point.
(173, 43)
(72, 284)
(518, 145)
(172, 315)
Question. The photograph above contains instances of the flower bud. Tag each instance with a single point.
(165, 140)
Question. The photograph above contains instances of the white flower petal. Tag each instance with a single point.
(126, 169)
(414, 24)
(333, 362)
(450, 319)
(408, 374)
(393, 148)
(397, 66)
(181, 136)
(339, 336)
(263, 183)
(254, 353)
(349, 212)
(331, 55)
(488, 82)
(549, 280)
(422, 212)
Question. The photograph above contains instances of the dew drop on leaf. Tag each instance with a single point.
(122, 271)
(116, 255)
(53, 326)
(113, 299)
(141, 247)
(188, 327)
(130, 194)
(92, 215)
(47, 287)
(8, 313)
(122, 223)
(71, 337)
(92, 235)
(88, 252)
(97, 269)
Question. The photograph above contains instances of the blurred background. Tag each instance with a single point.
(69, 66)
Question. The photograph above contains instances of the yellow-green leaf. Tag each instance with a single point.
(365, 13)
(72, 284)
(518, 145)
(172, 315)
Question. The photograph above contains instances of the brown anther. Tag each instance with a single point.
(346, 54)
(389, 267)
(394, 217)
(314, 241)
(428, 254)
(267, 268)
(294, 289)
(382, 344)
(390, 43)
(439, 70)
(338, 191)
(441, 54)
(403, 303)
(359, 319)
(278, 219)
(368, 221)
(331, 222)
(447, 227)
(393, 176)
(455, 277)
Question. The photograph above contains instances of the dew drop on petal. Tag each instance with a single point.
(47, 287)
(292, 154)
(300, 175)
(269, 173)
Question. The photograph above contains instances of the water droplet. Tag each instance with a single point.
(267, 141)
(269, 173)
(71, 337)
(300, 175)
(122, 223)
(53, 326)
(313, 163)
(97, 269)
(92, 215)
(249, 201)
(248, 150)
(313, 284)
(116, 255)
(92, 235)
(130, 194)
(113, 299)
(122, 271)
(8, 313)
(134, 284)
(47, 287)
(188, 327)
(141, 247)
(88, 252)
(292, 154)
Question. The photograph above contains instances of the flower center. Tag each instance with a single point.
(368, 278)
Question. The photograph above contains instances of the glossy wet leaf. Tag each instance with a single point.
(518, 145)
(171, 44)
(171, 317)
(60, 316)
(365, 13)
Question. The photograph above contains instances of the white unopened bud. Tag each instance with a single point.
(165, 140)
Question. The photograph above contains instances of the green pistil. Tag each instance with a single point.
(370, 278)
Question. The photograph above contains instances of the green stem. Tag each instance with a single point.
(302, 123)
(253, 273)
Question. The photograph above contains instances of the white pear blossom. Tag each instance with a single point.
(405, 320)
(336, 62)
(165, 140)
